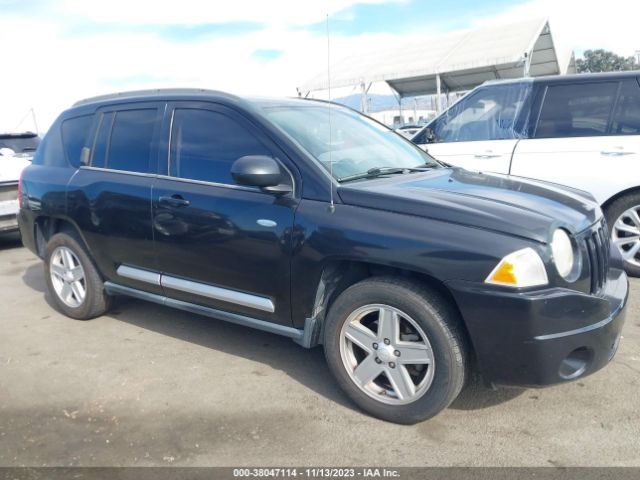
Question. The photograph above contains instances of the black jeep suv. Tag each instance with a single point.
(309, 220)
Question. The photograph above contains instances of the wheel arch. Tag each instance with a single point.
(338, 275)
(46, 227)
(623, 193)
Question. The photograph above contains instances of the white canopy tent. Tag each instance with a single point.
(452, 62)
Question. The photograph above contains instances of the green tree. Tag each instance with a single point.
(605, 61)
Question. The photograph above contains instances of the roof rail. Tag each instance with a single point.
(146, 93)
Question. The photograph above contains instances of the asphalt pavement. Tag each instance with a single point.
(148, 385)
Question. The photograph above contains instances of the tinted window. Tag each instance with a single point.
(99, 150)
(74, 137)
(131, 138)
(489, 113)
(204, 144)
(626, 118)
(577, 110)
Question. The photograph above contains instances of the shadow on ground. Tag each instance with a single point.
(307, 367)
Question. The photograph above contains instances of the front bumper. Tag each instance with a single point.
(544, 337)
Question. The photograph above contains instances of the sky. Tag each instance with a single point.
(55, 52)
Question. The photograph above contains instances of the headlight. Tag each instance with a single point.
(523, 268)
(562, 251)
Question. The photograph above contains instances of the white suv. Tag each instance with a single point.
(578, 130)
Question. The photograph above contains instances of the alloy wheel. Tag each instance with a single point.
(625, 235)
(67, 277)
(386, 354)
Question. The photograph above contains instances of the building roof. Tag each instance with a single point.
(463, 60)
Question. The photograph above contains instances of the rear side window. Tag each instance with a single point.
(576, 110)
(74, 137)
(131, 140)
(205, 143)
(626, 118)
(124, 140)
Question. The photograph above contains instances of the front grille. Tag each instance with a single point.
(597, 243)
(8, 191)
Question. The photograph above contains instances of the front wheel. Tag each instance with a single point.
(623, 217)
(396, 349)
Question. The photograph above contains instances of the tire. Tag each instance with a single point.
(422, 312)
(62, 250)
(621, 211)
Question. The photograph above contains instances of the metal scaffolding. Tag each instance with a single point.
(457, 61)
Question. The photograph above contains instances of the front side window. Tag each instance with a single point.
(344, 142)
(576, 110)
(204, 145)
(489, 113)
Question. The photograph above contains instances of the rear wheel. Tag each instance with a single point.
(396, 349)
(623, 217)
(72, 279)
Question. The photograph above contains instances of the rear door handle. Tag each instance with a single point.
(175, 201)
(486, 155)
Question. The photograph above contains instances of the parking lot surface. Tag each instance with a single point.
(147, 385)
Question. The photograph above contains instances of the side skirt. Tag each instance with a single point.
(305, 337)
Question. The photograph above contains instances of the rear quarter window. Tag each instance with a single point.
(74, 137)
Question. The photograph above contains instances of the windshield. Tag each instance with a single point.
(355, 144)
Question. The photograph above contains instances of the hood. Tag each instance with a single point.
(511, 205)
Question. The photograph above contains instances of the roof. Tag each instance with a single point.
(463, 59)
(580, 77)
(176, 94)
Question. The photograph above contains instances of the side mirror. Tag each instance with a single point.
(429, 135)
(260, 171)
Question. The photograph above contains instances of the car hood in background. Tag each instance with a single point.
(512, 205)
(11, 167)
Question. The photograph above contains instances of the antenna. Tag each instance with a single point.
(332, 207)
(31, 112)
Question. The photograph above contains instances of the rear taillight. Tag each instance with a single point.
(20, 189)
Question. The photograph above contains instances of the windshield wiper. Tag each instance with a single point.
(380, 171)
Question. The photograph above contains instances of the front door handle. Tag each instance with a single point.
(488, 154)
(175, 201)
(615, 153)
